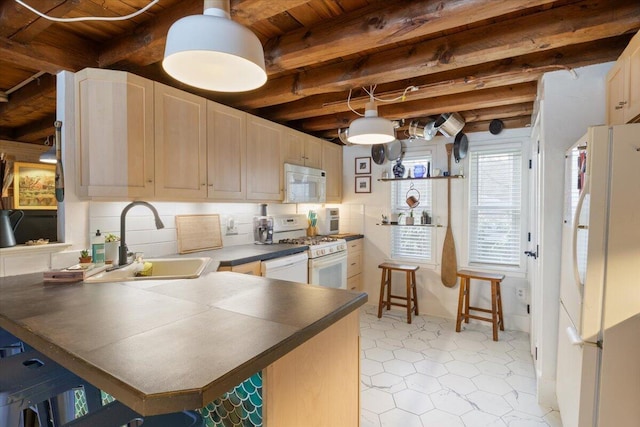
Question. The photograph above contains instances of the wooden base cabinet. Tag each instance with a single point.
(354, 264)
(114, 134)
(253, 268)
(318, 383)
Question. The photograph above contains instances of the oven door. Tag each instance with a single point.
(329, 271)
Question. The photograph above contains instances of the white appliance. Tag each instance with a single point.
(327, 255)
(304, 185)
(328, 221)
(598, 370)
(292, 268)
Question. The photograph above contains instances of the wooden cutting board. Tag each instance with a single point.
(198, 233)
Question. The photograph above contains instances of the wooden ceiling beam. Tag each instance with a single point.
(374, 26)
(575, 23)
(15, 18)
(43, 86)
(509, 123)
(486, 98)
(55, 8)
(493, 74)
(40, 57)
(35, 130)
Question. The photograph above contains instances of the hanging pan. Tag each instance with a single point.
(378, 154)
(460, 147)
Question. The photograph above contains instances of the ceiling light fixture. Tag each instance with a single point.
(370, 129)
(212, 52)
(49, 156)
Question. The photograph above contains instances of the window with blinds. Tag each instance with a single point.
(495, 206)
(408, 242)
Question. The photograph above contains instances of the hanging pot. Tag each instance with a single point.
(421, 129)
(496, 126)
(393, 150)
(449, 124)
(413, 197)
(460, 147)
(378, 154)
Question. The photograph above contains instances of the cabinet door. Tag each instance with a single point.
(293, 147)
(313, 152)
(616, 93)
(226, 152)
(180, 144)
(114, 130)
(332, 164)
(632, 110)
(264, 164)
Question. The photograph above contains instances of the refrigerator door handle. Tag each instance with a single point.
(574, 246)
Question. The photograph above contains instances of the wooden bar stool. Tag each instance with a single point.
(412, 293)
(496, 300)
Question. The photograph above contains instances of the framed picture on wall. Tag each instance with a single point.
(34, 186)
(363, 165)
(363, 184)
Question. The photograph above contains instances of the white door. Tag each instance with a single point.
(532, 244)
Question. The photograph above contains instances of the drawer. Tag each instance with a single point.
(354, 245)
(248, 268)
(355, 283)
(354, 263)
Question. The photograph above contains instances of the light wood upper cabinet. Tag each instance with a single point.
(226, 152)
(301, 149)
(180, 144)
(332, 164)
(264, 161)
(623, 86)
(114, 131)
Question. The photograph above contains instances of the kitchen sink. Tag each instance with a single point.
(163, 269)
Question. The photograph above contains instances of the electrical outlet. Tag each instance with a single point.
(521, 293)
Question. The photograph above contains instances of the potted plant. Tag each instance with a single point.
(409, 220)
(84, 256)
(111, 243)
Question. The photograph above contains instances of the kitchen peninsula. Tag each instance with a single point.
(164, 346)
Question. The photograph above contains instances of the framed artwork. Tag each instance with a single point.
(34, 186)
(363, 165)
(363, 184)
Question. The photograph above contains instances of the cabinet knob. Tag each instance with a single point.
(622, 102)
(149, 181)
(203, 185)
(210, 185)
(618, 107)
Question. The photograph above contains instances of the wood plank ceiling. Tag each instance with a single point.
(481, 58)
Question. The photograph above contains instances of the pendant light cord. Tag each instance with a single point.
(88, 18)
(370, 92)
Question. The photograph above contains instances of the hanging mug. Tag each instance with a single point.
(413, 197)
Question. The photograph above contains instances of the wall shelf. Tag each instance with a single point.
(431, 177)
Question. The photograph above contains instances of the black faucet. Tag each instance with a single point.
(123, 245)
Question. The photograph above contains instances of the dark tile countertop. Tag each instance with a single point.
(165, 345)
(242, 254)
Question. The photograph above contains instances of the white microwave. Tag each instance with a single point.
(304, 185)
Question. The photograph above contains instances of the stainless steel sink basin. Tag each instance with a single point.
(163, 269)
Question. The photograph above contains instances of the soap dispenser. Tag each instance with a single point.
(97, 248)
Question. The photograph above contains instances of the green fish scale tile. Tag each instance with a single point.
(239, 407)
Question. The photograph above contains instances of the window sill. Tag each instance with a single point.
(34, 249)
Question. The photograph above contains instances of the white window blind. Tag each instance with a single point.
(412, 242)
(495, 205)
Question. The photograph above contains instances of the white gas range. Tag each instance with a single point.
(327, 255)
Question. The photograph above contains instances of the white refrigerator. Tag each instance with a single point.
(598, 371)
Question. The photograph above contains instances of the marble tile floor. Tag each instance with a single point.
(427, 375)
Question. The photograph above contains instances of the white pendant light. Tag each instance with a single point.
(371, 129)
(213, 52)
